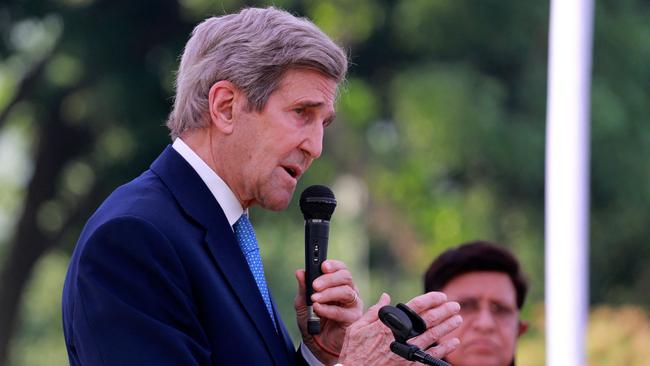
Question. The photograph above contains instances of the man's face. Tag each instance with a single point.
(278, 144)
(491, 325)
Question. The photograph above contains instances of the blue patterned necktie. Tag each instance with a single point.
(248, 244)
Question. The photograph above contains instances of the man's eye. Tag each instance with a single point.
(501, 309)
(299, 111)
(468, 306)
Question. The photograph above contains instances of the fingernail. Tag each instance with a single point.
(454, 342)
(315, 297)
(456, 320)
(454, 307)
(443, 296)
(316, 284)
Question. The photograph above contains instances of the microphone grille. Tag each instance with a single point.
(317, 202)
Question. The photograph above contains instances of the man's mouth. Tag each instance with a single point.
(293, 171)
(482, 343)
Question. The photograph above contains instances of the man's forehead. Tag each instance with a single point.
(487, 285)
(308, 84)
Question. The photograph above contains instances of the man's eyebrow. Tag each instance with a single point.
(309, 104)
(467, 298)
(503, 303)
(315, 104)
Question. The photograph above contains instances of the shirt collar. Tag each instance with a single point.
(220, 190)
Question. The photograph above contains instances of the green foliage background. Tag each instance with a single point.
(439, 140)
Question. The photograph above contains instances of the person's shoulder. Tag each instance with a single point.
(119, 234)
(145, 199)
(145, 196)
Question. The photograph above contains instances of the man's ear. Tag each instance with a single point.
(522, 328)
(221, 104)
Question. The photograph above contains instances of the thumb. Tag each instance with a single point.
(372, 314)
(300, 278)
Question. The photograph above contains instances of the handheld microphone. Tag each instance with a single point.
(317, 204)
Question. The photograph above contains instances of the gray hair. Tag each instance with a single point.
(253, 49)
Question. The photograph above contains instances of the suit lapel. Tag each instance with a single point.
(199, 203)
(288, 343)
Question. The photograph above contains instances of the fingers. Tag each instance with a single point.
(344, 295)
(427, 301)
(300, 277)
(372, 314)
(441, 317)
(340, 314)
(445, 348)
(335, 287)
(335, 273)
(332, 265)
(300, 297)
(440, 313)
(434, 308)
(335, 296)
(437, 332)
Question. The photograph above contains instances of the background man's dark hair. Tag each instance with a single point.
(472, 257)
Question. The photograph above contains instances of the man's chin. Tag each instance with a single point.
(277, 202)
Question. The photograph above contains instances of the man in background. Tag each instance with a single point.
(167, 271)
(487, 281)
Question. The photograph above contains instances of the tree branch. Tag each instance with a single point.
(58, 144)
(26, 83)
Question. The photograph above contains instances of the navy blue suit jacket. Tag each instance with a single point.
(157, 278)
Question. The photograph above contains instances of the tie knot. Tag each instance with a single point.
(245, 234)
(243, 222)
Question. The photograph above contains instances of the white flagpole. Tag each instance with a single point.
(567, 181)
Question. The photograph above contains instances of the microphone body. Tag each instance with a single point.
(317, 204)
(316, 239)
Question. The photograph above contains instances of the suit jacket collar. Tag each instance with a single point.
(217, 186)
(199, 203)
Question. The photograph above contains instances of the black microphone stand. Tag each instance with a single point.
(414, 353)
(406, 324)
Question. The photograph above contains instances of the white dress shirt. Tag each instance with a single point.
(220, 190)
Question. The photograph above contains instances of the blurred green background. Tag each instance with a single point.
(439, 140)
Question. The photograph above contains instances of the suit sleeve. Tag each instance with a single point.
(134, 303)
(300, 361)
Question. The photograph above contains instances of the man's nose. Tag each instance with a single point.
(312, 144)
(484, 319)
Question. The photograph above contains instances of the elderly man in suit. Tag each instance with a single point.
(167, 271)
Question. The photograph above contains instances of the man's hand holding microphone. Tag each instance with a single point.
(344, 334)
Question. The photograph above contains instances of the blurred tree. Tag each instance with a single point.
(88, 87)
(620, 146)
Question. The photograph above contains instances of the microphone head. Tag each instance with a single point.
(397, 321)
(317, 202)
